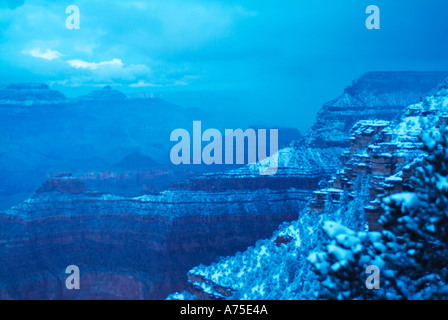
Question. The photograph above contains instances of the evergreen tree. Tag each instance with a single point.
(341, 266)
(353, 214)
(344, 201)
(412, 251)
(330, 210)
(419, 224)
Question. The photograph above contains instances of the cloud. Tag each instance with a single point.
(280, 50)
(109, 71)
(166, 83)
(47, 55)
(143, 84)
(81, 64)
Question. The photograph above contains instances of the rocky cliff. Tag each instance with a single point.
(43, 133)
(29, 94)
(389, 152)
(374, 96)
(127, 248)
(142, 247)
(275, 268)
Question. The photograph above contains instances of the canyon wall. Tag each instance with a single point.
(387, 151)
(141, 247)
(127, 248)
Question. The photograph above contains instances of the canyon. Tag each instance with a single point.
(387, 151)
(141, 246)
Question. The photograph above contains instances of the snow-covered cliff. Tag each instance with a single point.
(142, 247)
(388, 152)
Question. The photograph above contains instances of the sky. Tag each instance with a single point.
(291, 56)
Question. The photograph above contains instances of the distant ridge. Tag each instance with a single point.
(373, 96)
(27, 94)
(105, 94)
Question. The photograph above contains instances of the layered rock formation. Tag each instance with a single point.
(29, 94)
(374, 96)
(298, 167)
(142, 247)
(387, 151)
(119, 145)
(43, 133)
(127, 248)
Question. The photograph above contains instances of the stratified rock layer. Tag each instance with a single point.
(387, 151)
(28, 94)
(142, 247)
(374, 96)
(128, 248)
